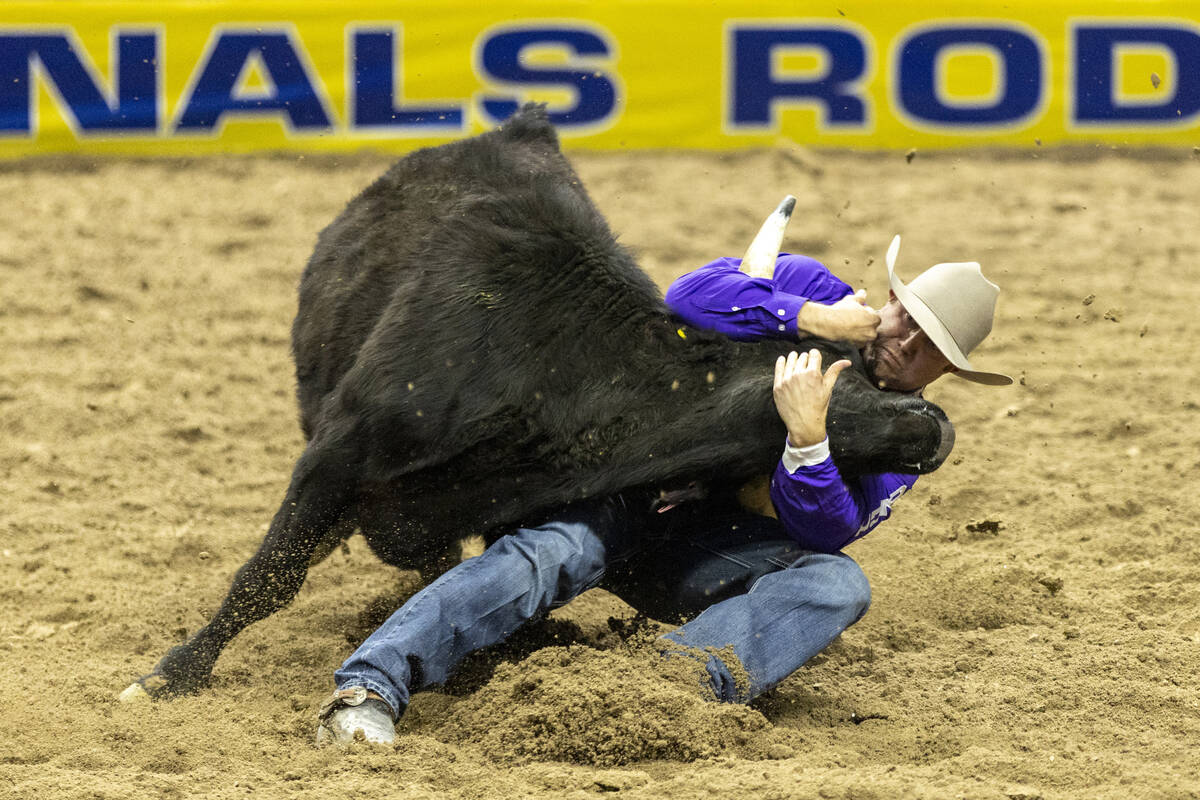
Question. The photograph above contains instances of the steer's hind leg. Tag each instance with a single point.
(322, 487)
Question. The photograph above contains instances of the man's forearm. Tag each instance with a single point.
(719, 297)
(820, 510)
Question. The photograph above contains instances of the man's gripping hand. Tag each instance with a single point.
(802, 395)
(848, 320)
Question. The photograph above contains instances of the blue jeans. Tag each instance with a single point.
(734, 579)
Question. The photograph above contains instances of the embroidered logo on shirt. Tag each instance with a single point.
(884, 511)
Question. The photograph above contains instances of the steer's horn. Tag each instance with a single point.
(759, 261)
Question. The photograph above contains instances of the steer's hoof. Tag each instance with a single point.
(350, 716)
(134, 694)
(143, 689)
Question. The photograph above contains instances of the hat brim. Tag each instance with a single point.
(935, 330)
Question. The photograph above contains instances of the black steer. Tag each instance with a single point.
(473, 348)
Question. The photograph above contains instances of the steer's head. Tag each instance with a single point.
(870, 430)
(874, 431)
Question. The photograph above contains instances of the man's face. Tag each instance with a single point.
(902, 358)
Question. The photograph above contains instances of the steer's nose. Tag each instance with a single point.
(947, 444)
(928, 453)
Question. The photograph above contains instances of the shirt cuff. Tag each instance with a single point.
(785, 309)
(809, 456)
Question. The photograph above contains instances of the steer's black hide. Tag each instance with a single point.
(473, 347)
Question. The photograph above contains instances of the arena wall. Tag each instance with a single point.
(177, 77)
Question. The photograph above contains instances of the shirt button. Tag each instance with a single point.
(783, 327)
(735, 308)
(782, 313)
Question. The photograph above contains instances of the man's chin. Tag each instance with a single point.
(872, 363)
(881, 380)
(879, 370)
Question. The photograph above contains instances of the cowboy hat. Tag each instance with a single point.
(954, 305)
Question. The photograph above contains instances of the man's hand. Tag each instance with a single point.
(848, 320)
(802, 395)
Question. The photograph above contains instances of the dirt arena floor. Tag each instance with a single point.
(1035, 628)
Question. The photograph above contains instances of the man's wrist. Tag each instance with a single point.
(795, 457)
(809, 318)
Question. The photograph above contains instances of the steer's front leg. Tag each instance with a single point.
(320, 491)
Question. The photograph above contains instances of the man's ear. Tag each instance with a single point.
(891, 295)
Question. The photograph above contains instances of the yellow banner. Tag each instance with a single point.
(186, 76)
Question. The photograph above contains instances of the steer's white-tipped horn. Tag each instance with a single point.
(759, 261)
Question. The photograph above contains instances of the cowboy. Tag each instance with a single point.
(772, 588)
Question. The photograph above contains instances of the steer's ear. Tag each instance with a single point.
(759, 261)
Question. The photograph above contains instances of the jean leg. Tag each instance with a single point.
(484, 600)
(785, 619)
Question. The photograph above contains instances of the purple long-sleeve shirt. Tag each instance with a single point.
(815, 505)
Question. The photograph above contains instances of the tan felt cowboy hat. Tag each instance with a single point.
(954, 305)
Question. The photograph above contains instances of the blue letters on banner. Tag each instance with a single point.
(292, 90)
(71, 72)
(595, 91)
(756, 90)
(376, 85)
(1021, 76)
(1095, 98)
